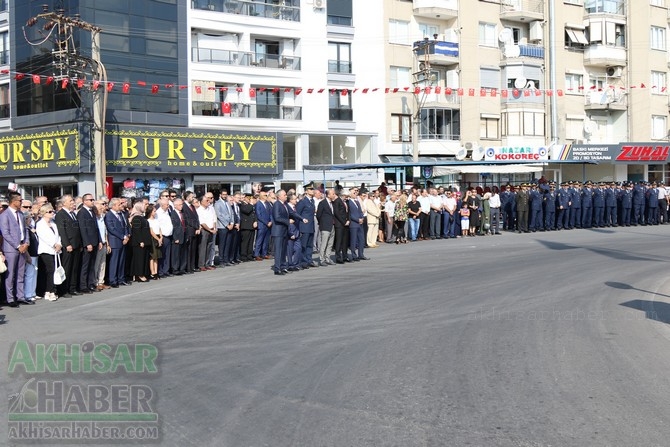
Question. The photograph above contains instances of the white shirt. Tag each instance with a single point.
(494, 201)
(389, 208)
(165, 222)
(102, 229)
(435, 202)
(425, 204)
(450, 204)
(47, 238)
(207, 216)
(662, 192)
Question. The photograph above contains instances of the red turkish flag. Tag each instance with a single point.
(298, 91)
(427, 90)
(275, 90)
(365, 90)
(198, 89)
(386, 90)
(110, 86)
(460, 91)
(538, 92)
(96, 84)
(252, 93)
(417, 90)
(549, 92)
(504, 93)
(559, 92)
(50, 79)
(19, 76)
(482, 92)
(64, 83)
(36, 79)
(526, 92)
(310, 90)
(225, 107)
(643, 86)
(238, 89)
(448, 91)
(141, 83)
(287, 90)
(262, 89)
(345, 92)
(494, 93)
(321, 90)
(126, 87)
(154, 89)
(80, 83)
(4, 71)
(471, 92)
(395, 90)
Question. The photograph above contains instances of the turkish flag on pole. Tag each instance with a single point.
(126, 87)
(252, 93)
(154, 89)
(36, 79)
(64, 83)
(225, 107)
(110, 86)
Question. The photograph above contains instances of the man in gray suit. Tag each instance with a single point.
(225, 223)
(15, 245)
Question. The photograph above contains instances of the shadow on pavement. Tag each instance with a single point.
(610, 253)
(653, 310)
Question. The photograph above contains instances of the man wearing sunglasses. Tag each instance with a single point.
(14, 245)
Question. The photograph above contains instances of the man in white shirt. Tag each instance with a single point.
(494, 204)
(424, 226)
(662, 203)
(207, 219)
(165, 222)
(389, 211)
(450, 214)
(435, 213)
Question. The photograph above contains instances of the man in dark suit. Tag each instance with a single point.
(15, 245)
(90, 239)
(192, 231)
(356, 234)
(264, 218)
(281, 213)
(118, 235)
(70, 235)
(325, 217)
(307, 210)
(248, 225)
(341, 226)
(178, 236)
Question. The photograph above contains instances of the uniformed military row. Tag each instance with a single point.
(539, 207)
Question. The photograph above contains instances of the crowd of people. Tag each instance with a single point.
(102, 244)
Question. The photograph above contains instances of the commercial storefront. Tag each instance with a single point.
(140, 161)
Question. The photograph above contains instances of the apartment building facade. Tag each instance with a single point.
(201, 95)
(564, 81)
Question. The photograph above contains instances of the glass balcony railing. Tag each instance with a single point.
(276, 10)
(227, 57)
(240, 110)
(340, 114)
(335, 66)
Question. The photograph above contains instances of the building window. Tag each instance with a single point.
(4, 48)
(289, 153)
(338, 149)
(487, 35)
(574, 129)
(401, 128)
(575, 38)
(339, 106)
(489, 78)
(399, 32)
(339, 57)
(440, 124)
(659, 127)
(574, 83)
(523, 123)
(660, 3)
(489, 128)
(658, 82)
(4, 101)
(427, 30)
(657, 38)
(533, 124)
(340, 13)
(399, 77)
(530, 84)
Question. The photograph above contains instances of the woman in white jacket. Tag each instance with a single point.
(48, 247)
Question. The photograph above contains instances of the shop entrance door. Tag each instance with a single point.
(52, 192)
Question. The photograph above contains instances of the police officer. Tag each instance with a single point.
(638, 203)
(587, 205)
(550, 208)
(507, 201)
(652, 205)
(563, 199)
(575, 206)
(610, 205)
(598, 206)
(626, 204)
(535, 198)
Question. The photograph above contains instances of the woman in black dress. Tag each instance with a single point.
(140, 241)
(474, 202)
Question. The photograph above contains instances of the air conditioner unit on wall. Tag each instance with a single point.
(614, 72)
(319, 4)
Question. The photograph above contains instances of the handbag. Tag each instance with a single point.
(3, 264)
(59, 272)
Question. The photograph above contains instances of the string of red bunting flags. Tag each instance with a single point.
(125, 87)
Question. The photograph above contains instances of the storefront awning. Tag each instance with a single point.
(51, 180)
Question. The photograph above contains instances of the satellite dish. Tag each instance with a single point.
(461, 154)
(520, 82)
(505, 35)
(587, 127)
(469, 146)
(478, 153)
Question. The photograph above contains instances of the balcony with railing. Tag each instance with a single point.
(600, 55)
(522, 10)
(241, 110)
(227, 57)
(617, 7)
(444, 9)
(276, 10)
(607, 99)
(440, 52)
(342, 114)
(338, 66)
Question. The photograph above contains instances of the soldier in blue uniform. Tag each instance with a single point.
(575, 205)
(550, 208)
(598, 206)
(652, 205)
(626, 200)
(610, 205)
(587, 205)
(638, 203)
(535, 199)
(563, 199)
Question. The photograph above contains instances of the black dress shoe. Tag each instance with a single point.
(76, 292)
(339, 261)
(13, 304)
(313, 264)
(355, 259)
(280, 273)
(85, 292)
(66, 295)
(293, 269)
(115, 286)
(286, 271)
(123, 283)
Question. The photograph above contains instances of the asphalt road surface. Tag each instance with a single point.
(542, 339)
